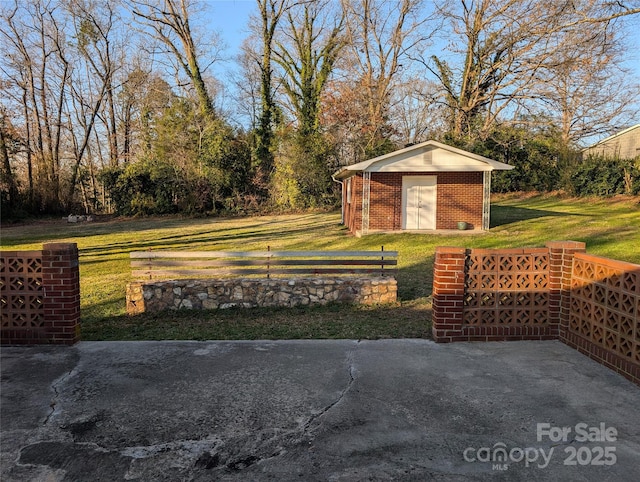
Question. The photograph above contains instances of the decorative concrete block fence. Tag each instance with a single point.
(40, 295)
(219, 280)
(557, 292)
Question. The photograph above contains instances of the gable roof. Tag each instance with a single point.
(429, 156)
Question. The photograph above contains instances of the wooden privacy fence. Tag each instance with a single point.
(170, 280)
(162, 264)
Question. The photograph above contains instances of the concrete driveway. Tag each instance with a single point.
(315, 410)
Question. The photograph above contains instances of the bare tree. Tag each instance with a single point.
(131, 111)
(170, 22)
(265, 26)
(84, 102)
(415, 115)
(503, 46)
(584, 90)
(306, 53)
(8, 182)
(99, 41)
(91, 107)
(37, 64)
(379, 33)
(60, 68)
(499, 50)
(248, 85)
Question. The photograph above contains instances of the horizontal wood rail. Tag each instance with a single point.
(150, 264)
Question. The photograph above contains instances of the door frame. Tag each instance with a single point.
(431, 181)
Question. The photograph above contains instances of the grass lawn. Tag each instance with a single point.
(610, 227)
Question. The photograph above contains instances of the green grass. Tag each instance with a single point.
(610, 227)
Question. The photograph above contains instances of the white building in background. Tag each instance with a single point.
(623, 145)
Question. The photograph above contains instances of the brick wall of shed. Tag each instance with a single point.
(385, 212)
(459, 198)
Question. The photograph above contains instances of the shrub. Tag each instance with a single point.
(601, 176)
(302, 175)
(145, 187)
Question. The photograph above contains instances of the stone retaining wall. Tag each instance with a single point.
(151, 296)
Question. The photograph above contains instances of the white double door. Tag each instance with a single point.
(419, 195)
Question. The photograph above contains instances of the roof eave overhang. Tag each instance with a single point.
(346, 173)
(370, 164)
(343, 174)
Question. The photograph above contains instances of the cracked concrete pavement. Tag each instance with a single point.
(314, 410)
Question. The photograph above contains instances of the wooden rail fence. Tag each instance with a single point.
(158, 264)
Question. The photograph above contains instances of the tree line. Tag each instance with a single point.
(112, 105)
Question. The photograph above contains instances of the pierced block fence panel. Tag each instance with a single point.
(556, 292)
(507, 289)
(21, 292)
(604, 315)
(40, 295)
(494, 294)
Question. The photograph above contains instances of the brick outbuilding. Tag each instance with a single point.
(427, 186)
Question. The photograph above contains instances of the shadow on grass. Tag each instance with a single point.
(334, 321)
(503, 215)
(415, 280)
(269, 233)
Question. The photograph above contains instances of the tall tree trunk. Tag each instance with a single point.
(7, 173)
(113, 133)
(81, 150)
(308, 62)
(28, 142)
(271, 12)
(126, 133)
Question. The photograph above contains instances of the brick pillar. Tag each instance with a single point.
(61, 285)
(560, 266)
(448, 294)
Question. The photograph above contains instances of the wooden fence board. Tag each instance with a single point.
(259, 254)
(149, 264)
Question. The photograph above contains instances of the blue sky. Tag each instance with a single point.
(230, 18)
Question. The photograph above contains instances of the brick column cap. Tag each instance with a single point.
(566, 245)
(59, 246)
(451, 250)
